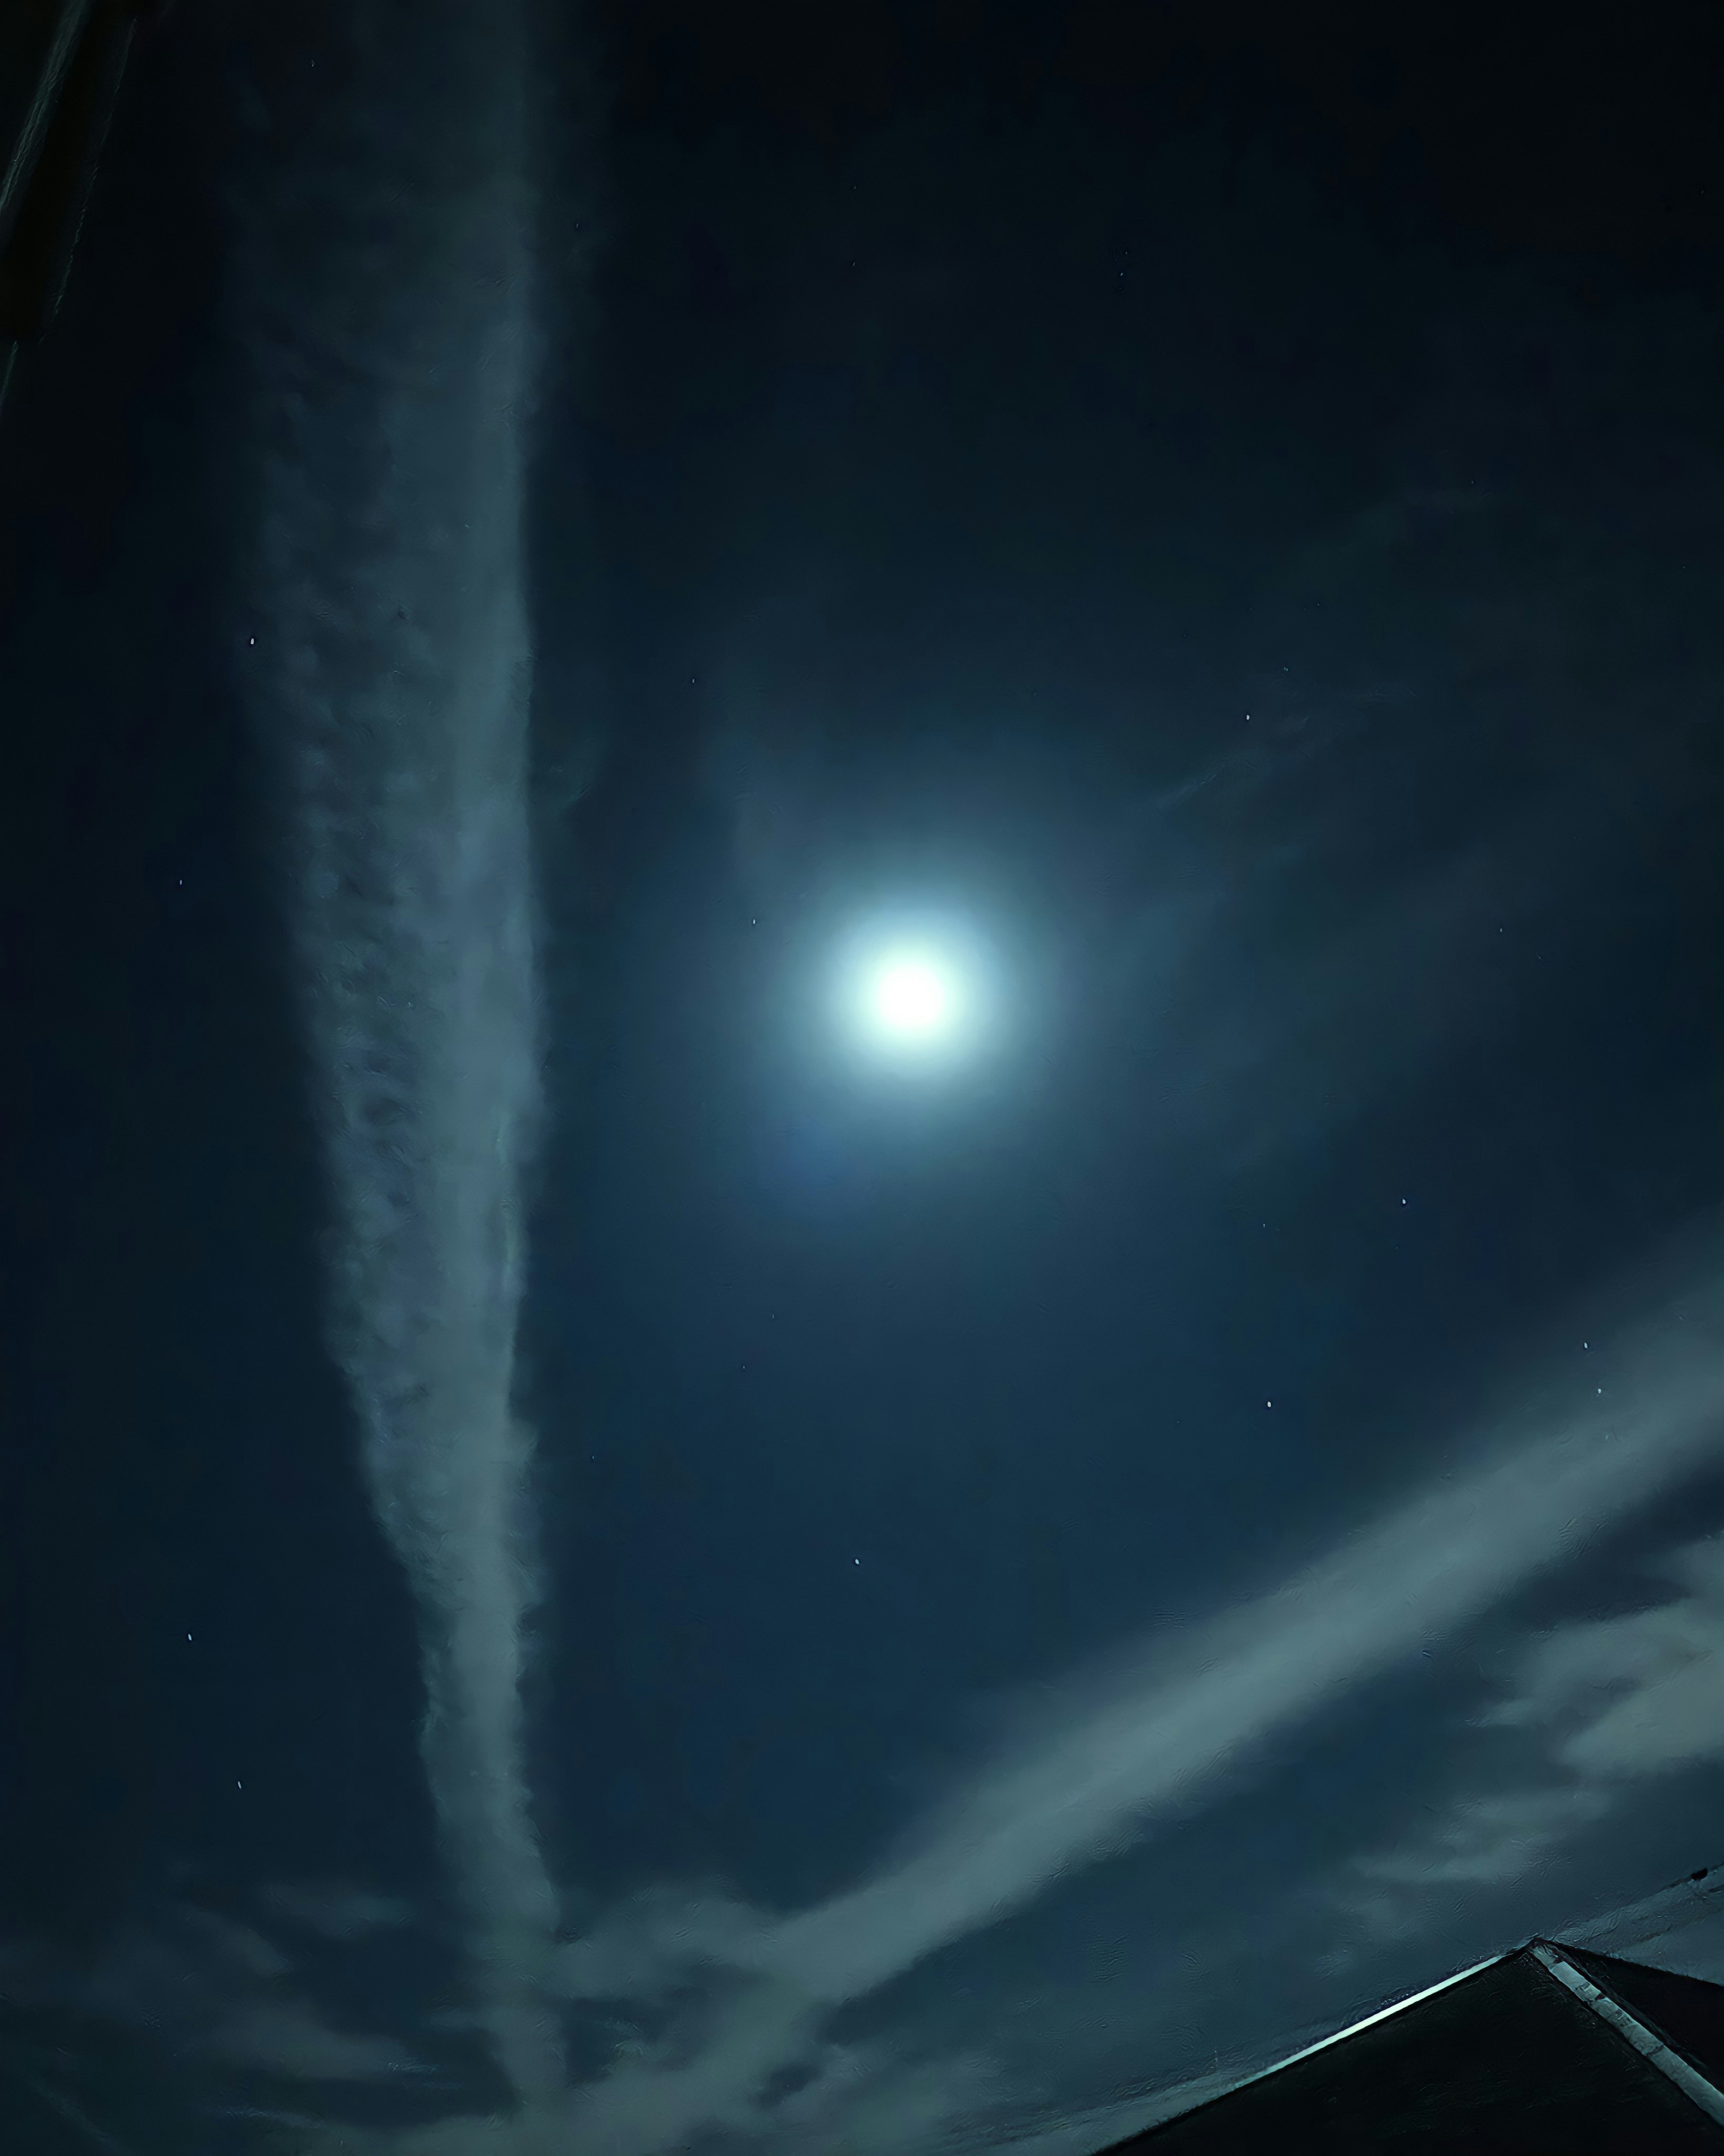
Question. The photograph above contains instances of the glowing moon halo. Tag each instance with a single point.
(910, 996)
(909, 1000)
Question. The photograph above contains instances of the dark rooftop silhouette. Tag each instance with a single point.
(1548, 2050)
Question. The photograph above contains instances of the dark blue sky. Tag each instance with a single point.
(1229, 510)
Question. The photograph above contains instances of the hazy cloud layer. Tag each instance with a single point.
(217, 1989)
(1491, 1840)
(333, 1910)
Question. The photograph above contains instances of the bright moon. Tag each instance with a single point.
(911, 996)
(910, 999)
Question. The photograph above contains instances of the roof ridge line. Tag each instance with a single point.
(1339, 2035)
(1626, 2021)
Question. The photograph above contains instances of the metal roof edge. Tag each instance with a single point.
(1627, 2025)
(1550, 1957)
(1340, 2036)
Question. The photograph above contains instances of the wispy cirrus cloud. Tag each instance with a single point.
(1096, 1768)
(217, 1989)
(334, 1909)
(1491, 1838)
(1624, 1697)
(1609, 1704)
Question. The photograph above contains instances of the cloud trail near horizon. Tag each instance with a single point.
(1111, 1755)
(1071, 1786)
(382, 267)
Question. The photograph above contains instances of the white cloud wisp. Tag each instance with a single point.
(1616, 1701)
(382, 258)
(1092, 1775)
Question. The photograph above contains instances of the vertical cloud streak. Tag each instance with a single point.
(382, 262)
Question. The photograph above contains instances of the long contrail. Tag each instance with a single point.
(382, 268)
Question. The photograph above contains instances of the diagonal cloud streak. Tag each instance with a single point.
(1074, 1788)
(382, 262)
(1088, 1779)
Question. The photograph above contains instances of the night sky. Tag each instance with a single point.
(1067, 1558)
